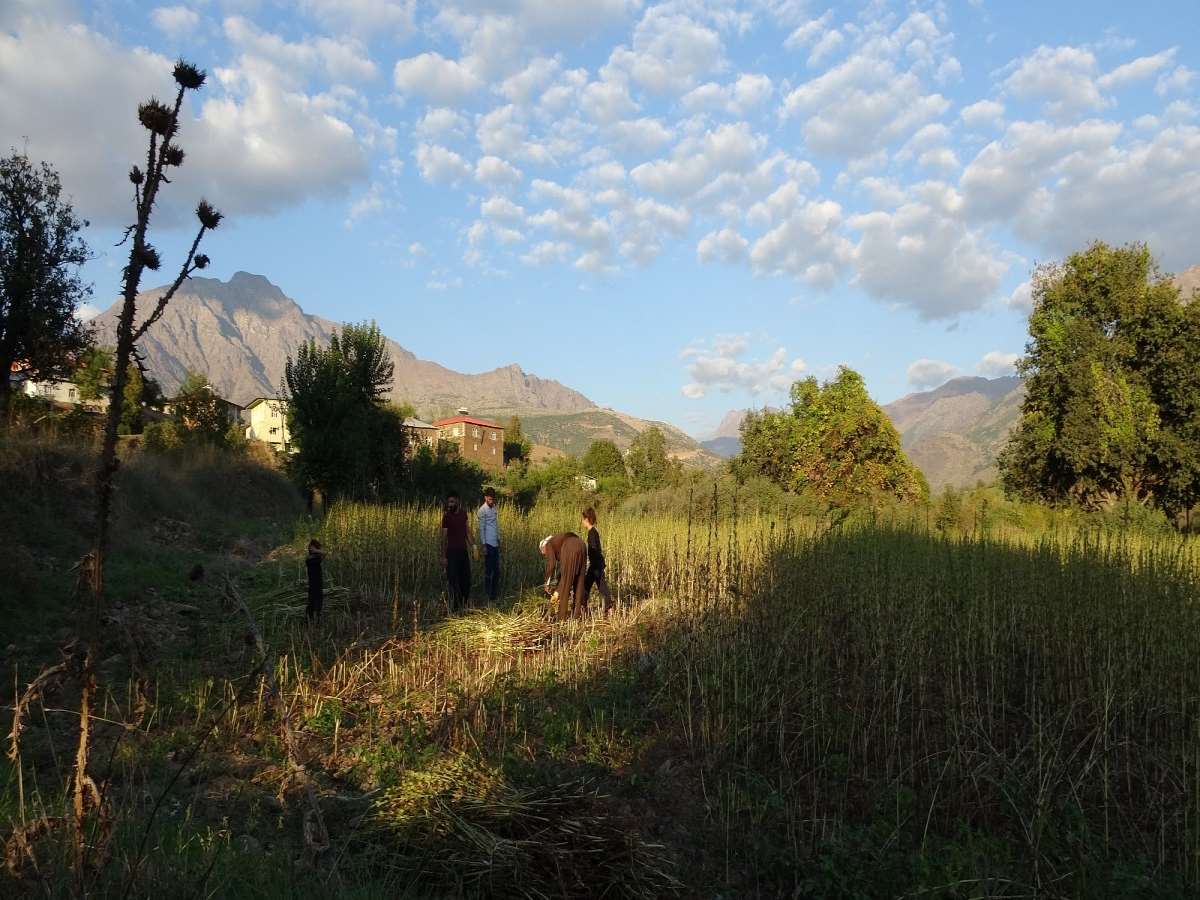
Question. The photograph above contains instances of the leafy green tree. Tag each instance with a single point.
(834, 442)
(1112, 407)
(93, 373)
(517, 447)
(604, 460)
(131, 402)
(197, 411)
(349, 441)
(949, 511)
(366, 364)
(41, 251)
(161, 437)
(649, 467)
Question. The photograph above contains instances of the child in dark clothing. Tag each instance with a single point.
(316, 594)
(595, 562)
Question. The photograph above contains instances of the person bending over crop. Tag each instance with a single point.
(595, 562)
(568, 551)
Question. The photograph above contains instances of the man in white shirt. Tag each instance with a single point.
(489, 539)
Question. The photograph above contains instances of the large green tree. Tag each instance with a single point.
(1112, 409)
(649, 466)
(517, 447)
(41, 251)
(349, 441)
(198, 412)
(603, 460)
(834, 441)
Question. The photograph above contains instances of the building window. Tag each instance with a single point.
(475, 433)
(274, 413)
(493, 451)
(458, 431)
(274, 431)
(71, 393)
(493, 438)
(476, 447)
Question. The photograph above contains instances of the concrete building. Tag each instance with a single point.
(267, 418)
(478, 440)
(420, 434)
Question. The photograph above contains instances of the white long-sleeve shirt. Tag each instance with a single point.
(489, 528)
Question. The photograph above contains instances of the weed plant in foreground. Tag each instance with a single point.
(778, 709)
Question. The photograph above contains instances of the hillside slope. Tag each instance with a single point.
(240, 332)
(954, 432)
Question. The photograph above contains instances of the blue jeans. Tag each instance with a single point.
(491, 571)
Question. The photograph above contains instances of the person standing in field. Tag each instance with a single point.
(316, 581)
(455, 559)
(595, 562)
(489, 540)
(569, 553)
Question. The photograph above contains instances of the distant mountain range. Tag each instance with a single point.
(240, 332)
(954, 432)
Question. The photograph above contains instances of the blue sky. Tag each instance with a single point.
(676, 207)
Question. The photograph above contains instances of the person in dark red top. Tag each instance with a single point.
(455, 558)
(569, 552)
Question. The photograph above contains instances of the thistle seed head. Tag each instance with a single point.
(208, 216)
(156, 117)
(173, 156)
(135, 175)
(201, 261)
(188, 76)
(149, 258)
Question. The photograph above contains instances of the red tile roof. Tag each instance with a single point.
(469, 420)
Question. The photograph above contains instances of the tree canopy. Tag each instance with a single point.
(834, 441)
(647, 460)
(349, 441)
(1112, 369)
(517, 447)
(603, 460)
(41, 251)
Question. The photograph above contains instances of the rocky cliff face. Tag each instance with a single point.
(954, 433)
(240, 333)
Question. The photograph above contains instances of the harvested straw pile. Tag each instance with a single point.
(492, 632)
(460, 826)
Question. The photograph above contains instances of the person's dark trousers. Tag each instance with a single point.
(596, 577)
(491, 571)
(458, 577)
(315, 602)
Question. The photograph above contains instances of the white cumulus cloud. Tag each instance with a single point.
(926, 374)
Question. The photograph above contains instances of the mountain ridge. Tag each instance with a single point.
(240, 332)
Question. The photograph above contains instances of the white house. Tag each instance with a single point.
(587, 482)
(61, 392)
(268, 422)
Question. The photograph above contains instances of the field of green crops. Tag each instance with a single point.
(833, 706)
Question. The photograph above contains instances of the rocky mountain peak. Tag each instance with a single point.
(240, 332)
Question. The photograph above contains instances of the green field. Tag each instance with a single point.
(814, 707)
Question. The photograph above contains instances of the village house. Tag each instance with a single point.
(61, 393)
(267, 418)
(229, 411)
(420, 434)
(477, 440)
